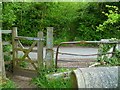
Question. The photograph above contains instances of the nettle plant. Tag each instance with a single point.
(109, 59)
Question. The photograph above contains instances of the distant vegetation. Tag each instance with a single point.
(71, 20)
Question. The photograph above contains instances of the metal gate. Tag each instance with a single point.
(72, 62)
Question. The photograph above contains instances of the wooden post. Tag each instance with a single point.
(14, 45)
(49, 48)
(40, 50)
(2, 64)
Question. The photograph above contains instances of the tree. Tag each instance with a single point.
(111, 25)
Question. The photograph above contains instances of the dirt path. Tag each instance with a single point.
(20, 81)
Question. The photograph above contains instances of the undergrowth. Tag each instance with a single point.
(44, 82)
(114, 59)
(8, 58)
(6, 84)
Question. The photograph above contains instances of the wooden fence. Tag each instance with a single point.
(33, 65)
(2, 64)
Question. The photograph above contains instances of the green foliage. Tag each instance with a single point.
(111, 25)
(43, 82)
(7, 84)
(71, 20)
(7, 49)
(23, 64)
(8, 58)
(114, 60)
(8, 16)
(53, 83)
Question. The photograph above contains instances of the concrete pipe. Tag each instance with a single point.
(95, 77)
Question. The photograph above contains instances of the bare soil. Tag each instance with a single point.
(20, 81)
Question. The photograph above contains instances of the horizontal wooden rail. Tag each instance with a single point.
(28, 38)
(6, 31)
(19, 49)
(23, 69)
(7, 62)
(6, 43)
(7, 53)
(27, 60)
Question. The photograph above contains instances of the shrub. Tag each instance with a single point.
(114, 60)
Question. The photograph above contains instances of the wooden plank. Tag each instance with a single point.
(2, 64)
(28, 38)
(40, 50)
(6, 31)
(49, 49)
(7, 62)
(1, 56)
(19, 43)
(27, 60)
(24, 50)
(14, 45)
(6, 43)
(23, 72)
(23, 69)
(27, 52)
(7, 53)
(33, 64)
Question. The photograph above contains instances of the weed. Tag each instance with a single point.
(43, 82)
(6, 84)
(109, 61)
(23, 64)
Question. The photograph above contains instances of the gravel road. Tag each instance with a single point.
(73, 50)
(68, 61)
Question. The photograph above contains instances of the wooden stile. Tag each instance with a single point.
(27, 52)
(17, 46)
